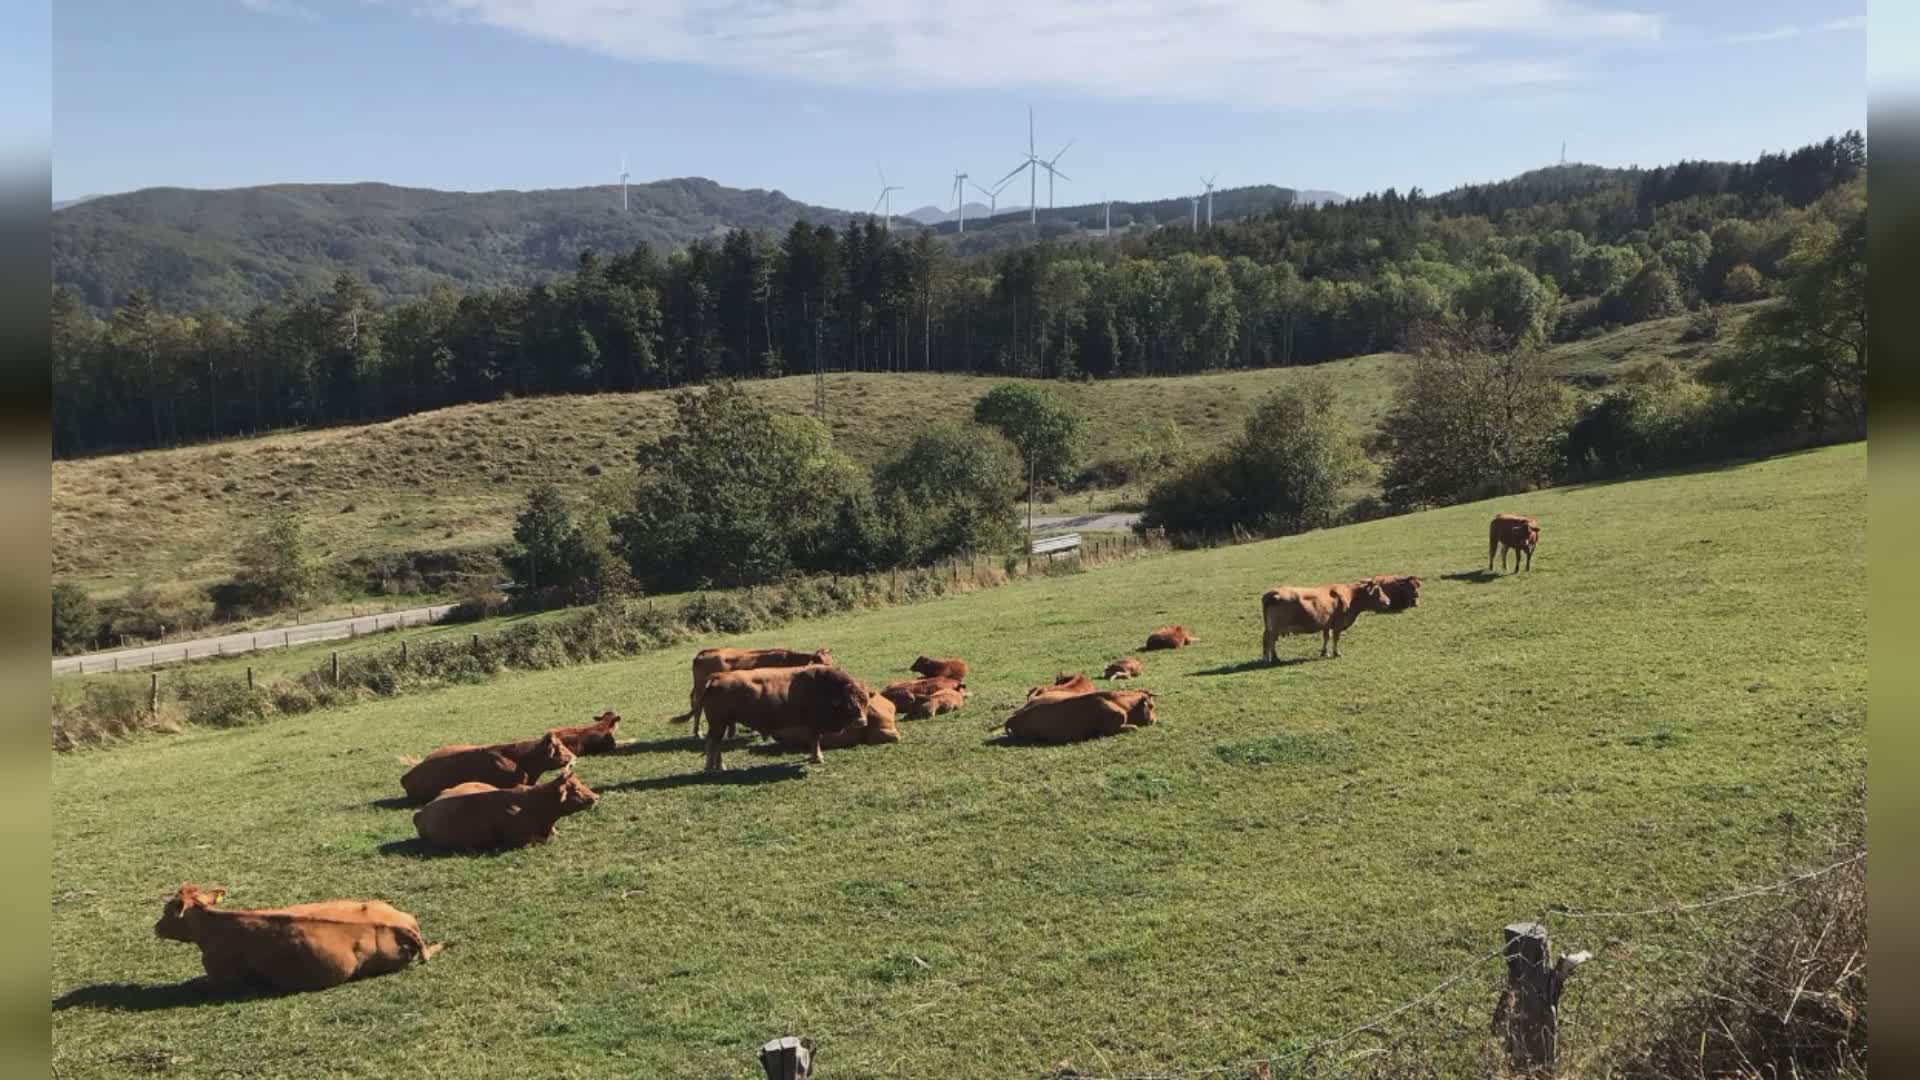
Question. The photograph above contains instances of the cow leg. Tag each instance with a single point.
(817, 758)
(1324, 635)
(1492, 546)
(1529, 560)
(713, 748)
(1266, 647)
(1336, 643)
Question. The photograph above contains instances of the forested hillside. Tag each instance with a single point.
(1560, 253)
(230, 250)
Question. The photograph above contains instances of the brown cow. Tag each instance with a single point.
(940, 701)
(908, 692)
(471, 817)
(1067, 682)
(500, 764)
(1329, 609)
(950, 668)
(875, 727)
(710, 662)
(1169, 637)
(303, 947)
(1512, 532)
(1064, 718)
(819, 699)
(1124, 668)
(1404, 591)
(594, 738)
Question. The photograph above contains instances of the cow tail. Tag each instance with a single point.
(415, 946)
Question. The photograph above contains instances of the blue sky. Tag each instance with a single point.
(807, 96)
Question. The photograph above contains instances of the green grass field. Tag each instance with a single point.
(456, 477)
(1672, 704)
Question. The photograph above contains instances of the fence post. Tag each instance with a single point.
(403, 654)
(336, 669)
(1528, 1014)
(153, 694)
(256, 642)
(476, 643)
(787, 1058)
(249, 679)
(286, 639)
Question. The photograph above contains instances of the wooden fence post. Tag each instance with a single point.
(336, 669)
(1528, 1014)
(787, 1058)
(476, 643)
(153, 694)
(249, 679)
(403, 654)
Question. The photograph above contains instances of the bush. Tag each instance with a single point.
(950, 491)
(147, 612)
(1283, 474)
(1705, 324)
(76, 618)
(417, 572)
(217, 702)
(1657, 417)
(1039, 423)
(1653, 293)
(275, 571)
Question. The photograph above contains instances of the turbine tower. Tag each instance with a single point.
(886, 196)
(1209, 182)
(1053, 172)
(1033, 164)
(960, 198)
(1107, 229)
(1196, 213)
(623, 183)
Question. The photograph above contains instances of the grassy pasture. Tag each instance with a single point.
(455, 477)
(1672, 704)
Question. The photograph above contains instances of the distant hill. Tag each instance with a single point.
(976, 211)
(1010, 227)
(232, 249)
(62, 204)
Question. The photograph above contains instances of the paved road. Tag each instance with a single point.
(1089, 522)
(234, 644)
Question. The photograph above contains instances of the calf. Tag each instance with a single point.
(906, 693)
(304, 947)
(822, 700)
(1064, 718)
(470, 817)
(940, 701)
(594, 738)
(1403, 591)
(1169, 637)
(1512, 532)
(951, 668)
(1329, 609)
(1067, 682)
(1124, 668)
(710, 662)
(501, 765)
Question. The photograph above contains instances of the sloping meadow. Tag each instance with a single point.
(1671, 704)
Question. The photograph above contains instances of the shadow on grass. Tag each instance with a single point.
(417, 848)
(1253, 665)
(135, 997)
(756, 774)
(397, 802)
(684, 744)
(1476, 577)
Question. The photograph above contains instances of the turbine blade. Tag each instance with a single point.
(1060, 174)
(1015, 172)
(1063, 150)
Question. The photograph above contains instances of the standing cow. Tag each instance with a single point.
(1512, 532)
(710, 662)
(1329, 609)
(820, 699)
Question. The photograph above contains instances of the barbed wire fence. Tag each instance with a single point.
(1303, 1060)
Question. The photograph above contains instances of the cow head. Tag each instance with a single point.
(823, 657)
(837, 698)
(1369, 595)
(549, 753)
(1140, 713)
(173, 923)
(925, 666)
(608, 720)
(573, 794)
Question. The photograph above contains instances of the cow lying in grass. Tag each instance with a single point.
(710, 662)
(1328, 609)
(876, 727)
(499, 765)
(1067, 682)
(1124, 668)
(473, 817)
(821, 700)
(304, 947)
(1169, 637)
(907, 694)
(1065, 718)
(950, 668)
(594, 738)
(940, 701)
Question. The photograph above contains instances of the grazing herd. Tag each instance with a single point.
(474, 797)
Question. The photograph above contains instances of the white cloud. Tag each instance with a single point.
(281, 7)
(1781, 33)
(1254, 51)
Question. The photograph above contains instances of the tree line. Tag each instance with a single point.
(1563, 255)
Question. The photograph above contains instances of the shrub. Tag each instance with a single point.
(1283, 474)
(218, 702)
(275, 570)
(1039, 423)
(76, 618)
(951, 490)
(150, 612)
(1657, 416)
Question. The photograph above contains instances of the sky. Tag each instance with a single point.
(814, 97)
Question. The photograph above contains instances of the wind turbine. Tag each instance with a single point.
(1209, 182)
(623, 183)
(1033, 165)
(1196, 213)
(960, 198)
(1107, 229)
(886, 196)
(993, 197)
